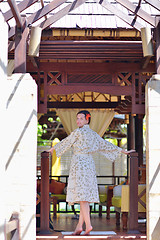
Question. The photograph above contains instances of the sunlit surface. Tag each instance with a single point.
(65, 224)
(92, 237)
(85, 237)
(47, 237)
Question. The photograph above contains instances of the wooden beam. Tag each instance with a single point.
(120, 14)
(21, 48)
(92, 68)
(21, 6)
(138, 109)
(82, 104)
(61, 13)
(39, 14)
(16, 13)
(146, 61)
(42, 3)
(35, 62)
(106, 33)
(137, 11)
(158, 45)
(154, 3)
(121, 110)
(101, 88)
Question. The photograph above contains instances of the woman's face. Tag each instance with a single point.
(81, 120)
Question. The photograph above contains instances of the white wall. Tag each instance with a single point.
(18, 121)
(3, 80)
(21, 149)
(153, 157)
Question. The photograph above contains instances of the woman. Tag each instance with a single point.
(82, 183)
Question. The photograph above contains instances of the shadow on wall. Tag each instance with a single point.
(34, 113)
(33, 217)
(154, 176)
(3, 66)
(155, 234)
(14, 90)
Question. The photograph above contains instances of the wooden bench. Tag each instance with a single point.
(120, 201)
(105, 195)
(106, 200)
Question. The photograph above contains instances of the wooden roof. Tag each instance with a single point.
(81, 53)
(83, 13)
(64, 14)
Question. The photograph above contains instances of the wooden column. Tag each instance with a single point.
(130, 137)
(44, 193)
(158, 44)
(133, 194)
(21, 47)
(139, 138)
(131, 132)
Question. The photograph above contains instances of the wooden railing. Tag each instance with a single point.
(133, 182)
(13, 227)
(115, 179)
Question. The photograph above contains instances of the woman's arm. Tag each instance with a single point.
(62, 146)
(127, 152)
(51, 150)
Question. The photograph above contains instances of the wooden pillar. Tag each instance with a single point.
(131, 133)
(42, 106)
(130, 137)
(133, 194)
(45, 92)
(21, 47)
(44, 193)
(158, 44)
(139, 138)
(113, 165)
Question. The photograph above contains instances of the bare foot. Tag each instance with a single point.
(77, 232)
(88, 230)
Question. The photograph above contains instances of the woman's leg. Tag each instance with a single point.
(79, 227)
(85, 209)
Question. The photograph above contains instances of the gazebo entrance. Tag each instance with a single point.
(83, 67)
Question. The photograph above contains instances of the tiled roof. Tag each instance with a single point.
(89, 15)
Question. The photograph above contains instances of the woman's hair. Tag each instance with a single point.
(87, 115)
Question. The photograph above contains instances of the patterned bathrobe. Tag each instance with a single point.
(82, 182)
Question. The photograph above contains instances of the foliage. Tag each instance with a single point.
(123, 129)
(41, 129)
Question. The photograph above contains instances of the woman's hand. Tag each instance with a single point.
(51, 150)
(128, 152)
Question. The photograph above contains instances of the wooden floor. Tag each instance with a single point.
(67, 223)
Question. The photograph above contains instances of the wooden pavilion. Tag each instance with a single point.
(101, 64)
(90, 54)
